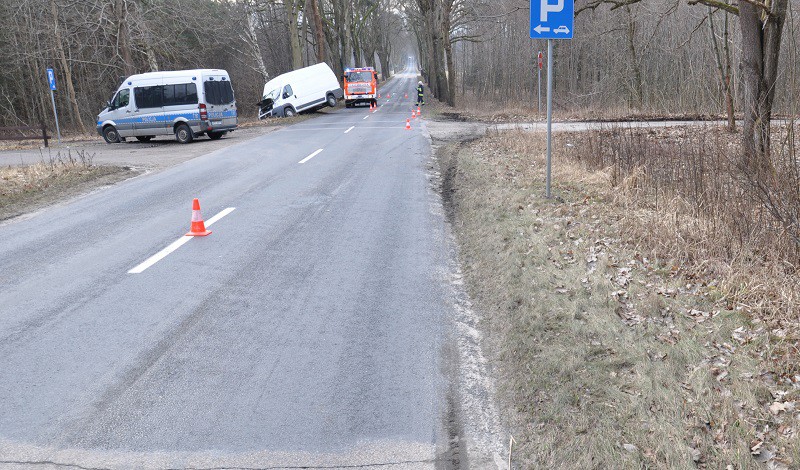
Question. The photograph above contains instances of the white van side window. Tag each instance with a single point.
(287, 91)
(180, 94)
(148, 97)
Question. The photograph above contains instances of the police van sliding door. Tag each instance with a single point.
(180, 103)
(149, 111)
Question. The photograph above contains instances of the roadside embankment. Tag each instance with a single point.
(613, 351)
(27, 188)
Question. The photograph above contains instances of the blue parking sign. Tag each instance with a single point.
(51, 77)
(552, 19)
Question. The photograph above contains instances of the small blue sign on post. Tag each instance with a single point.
(51, 77)
(552, 19)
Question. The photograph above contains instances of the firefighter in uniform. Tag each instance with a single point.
(420, 94)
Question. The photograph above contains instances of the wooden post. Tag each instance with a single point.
(44, 133)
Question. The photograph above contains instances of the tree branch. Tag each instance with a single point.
(722, 5)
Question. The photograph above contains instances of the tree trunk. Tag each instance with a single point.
(723, 68)
(124, 36)
(151, 55)
(343, 21)
(357, 57)
(438, 51)
(252, 41)
(447, 8)
(638, 93)
(73, 101)
(292, 12)
(319, 32)
(451, 74)
(761, 42)
(383, 58)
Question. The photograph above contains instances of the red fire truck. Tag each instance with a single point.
(360, 86)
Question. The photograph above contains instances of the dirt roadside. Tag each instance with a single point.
(605, 356)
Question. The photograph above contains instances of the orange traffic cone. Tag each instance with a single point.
(419, 111)
(413, 114)
(379, 95)
(408, 124)
(198, 226)
(406, 96)
(388, 96)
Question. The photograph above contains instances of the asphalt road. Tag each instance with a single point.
(310, 329)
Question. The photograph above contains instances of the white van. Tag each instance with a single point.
(306, 89)
(186, 103)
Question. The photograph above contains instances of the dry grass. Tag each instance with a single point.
(29, 187)
(66, 139)
(610, 357)
(475, 109)
(689, 200)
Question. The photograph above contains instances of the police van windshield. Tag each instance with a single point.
(359, 76)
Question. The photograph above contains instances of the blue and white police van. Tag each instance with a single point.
(183, 103)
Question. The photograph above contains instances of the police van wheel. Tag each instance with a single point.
(289, 112)
(215, 135)
(144, 138)
(184, 134)
(110, 135)
(331, 100)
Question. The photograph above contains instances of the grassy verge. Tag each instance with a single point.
(609, 356)
(27, 188)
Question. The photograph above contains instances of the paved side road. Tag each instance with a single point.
(318, 325)
(162, 152)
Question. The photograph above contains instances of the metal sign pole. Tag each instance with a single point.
(540, 84)
(51, 79)
(549, 112)
(55, 113)
(551, 21)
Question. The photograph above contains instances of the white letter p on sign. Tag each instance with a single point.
(548, 8)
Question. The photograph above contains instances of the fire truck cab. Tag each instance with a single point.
(360, 86)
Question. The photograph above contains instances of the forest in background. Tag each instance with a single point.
(628, 56)
(93, 45)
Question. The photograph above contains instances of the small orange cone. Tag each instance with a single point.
(413, 114)
(379, 95)
(198, 226)
(406, 96)
(388, 96)
(419, 111)
(408, 124)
